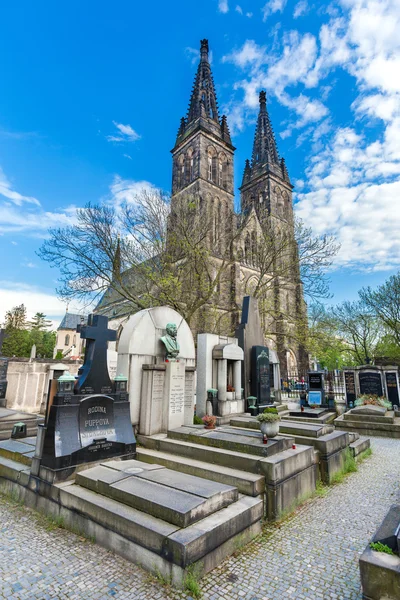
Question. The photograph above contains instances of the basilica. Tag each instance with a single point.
(202, 167)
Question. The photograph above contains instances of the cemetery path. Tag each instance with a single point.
(312, 555)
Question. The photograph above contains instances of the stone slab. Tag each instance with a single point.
(246, 483)
(351, 416)
(191, 484)
(380, 575)
(286, 464)
(389, 529)
(171, 505)
(370, 410)
(95, 478)
(197, 540)
(128, 465)
(307, 429)
(311, 413)
(359, 446)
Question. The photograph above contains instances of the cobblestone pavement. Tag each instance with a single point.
(312, 555)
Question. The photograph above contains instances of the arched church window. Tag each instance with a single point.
(247, 249)
(254, 248)
(212, 164)
(66, 343)
(181, 171)
(210, 168)
(189, 165)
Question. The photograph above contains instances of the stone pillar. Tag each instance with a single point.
(237, 379)
(222, 375)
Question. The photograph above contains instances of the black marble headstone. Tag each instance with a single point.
(249, 333)
(316, 384)
(89, 424)
(370, 383)
(350, 387)
(392, 388)
(260, 385)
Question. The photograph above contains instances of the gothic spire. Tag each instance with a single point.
(264, 147)
(203, 101)
(247, 172)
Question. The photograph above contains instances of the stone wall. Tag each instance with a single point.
(28, 382)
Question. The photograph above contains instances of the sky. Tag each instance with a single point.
(91, 95)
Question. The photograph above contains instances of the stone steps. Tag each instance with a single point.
(359, 446)
(14, 471)
(247, 483)
(232, 439)
(208, 454)
(369, 427)
(7, 423)
(20, 451)
(177, 498)
(206, 540)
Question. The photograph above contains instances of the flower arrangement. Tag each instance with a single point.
(209, 421)
(230, 388)
(368, 399)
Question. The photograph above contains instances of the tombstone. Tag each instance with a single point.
(316, 388)
(33, 352)
(260, 379)
(88, 419)
(219, 367)
(161, 388)
(392, 386)
(249, 333)
(350, 388)
(370, 381)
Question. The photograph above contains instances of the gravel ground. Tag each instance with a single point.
(311, 555)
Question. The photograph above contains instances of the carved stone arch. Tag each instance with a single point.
(212, 171)
(251, 285)
(189, 164)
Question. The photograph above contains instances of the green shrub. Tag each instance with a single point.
(379, 547)
(197, 420)
(268, 417)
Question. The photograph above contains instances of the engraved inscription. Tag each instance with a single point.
(177, 391)
(189, 390)
(158, 386)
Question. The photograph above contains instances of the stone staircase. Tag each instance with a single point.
(230, 455)
(162, 519)
(383, 423)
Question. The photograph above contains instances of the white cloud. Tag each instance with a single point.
(7, 191)
(125, 190)
(223, 6)
(125, 134)
(128, 156)
(300, 9)
(249, 15)
(239, 9)
(35, 299)
(33, 223)
(273, 6)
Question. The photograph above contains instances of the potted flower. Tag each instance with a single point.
(230, 392)
(269, 422)
(209, 421)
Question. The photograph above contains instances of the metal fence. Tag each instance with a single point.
(297, 382)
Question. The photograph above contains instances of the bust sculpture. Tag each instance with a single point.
(170, 342)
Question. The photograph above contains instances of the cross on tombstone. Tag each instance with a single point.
(93, 375)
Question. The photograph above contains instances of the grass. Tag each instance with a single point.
(363, 455)
(191, 583)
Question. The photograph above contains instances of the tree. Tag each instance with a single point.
(146, 253)
(384, 303)
(325, 343)
(22, 335)
(16, 317)
(39, 322)
(358, 327)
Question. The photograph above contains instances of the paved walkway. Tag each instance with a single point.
(313, 555)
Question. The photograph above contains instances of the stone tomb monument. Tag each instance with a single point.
(156, 349)
(372, 380)
(258, 377)
(88, 419)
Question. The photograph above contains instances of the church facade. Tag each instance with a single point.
(203, 160)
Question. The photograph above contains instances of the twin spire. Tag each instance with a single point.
(203, 106)
(203, 100)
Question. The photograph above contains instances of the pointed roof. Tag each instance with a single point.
(203, 101)
(264, 146)
(203, 105)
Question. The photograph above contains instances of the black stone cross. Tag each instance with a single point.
(93, 375)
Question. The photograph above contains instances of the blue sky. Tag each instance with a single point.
(91, 94)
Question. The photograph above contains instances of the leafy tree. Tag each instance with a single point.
(22, 335)
(384, 303)
(358, 327)
(16, 317)
(39, 322)
(146, 254)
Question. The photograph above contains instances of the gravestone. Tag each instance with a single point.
(350, 387)
(370, 382)
(249, 333)
(260, 384)
(316, 388)
(161, 388)
(90, 420)
(392, 387)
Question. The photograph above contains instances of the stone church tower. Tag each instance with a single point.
(203, 168)
(203, 171)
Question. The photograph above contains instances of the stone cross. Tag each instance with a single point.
(93, 375)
